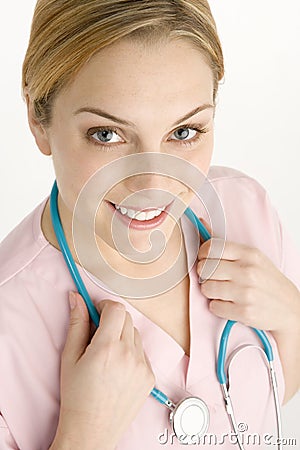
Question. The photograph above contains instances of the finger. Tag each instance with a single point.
(112, 319)
(148, 363)
(140, 349)
(226, 310)
(220, 290)
(128, 330)
(139, 344)
(78, 332)
(214, 248)
(217, 248)
(215, 269)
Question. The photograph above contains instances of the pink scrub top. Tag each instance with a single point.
(34, 318)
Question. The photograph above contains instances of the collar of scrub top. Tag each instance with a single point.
(156, 393)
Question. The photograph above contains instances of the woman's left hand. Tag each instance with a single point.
(244, 285)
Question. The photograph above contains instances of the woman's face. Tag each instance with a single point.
(152, 89)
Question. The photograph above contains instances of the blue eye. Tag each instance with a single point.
(103, 135)
(183, 133)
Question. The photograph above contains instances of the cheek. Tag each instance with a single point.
(73, 167)
(71, 177)
(67, 146)
(201, 157)
(103, 223)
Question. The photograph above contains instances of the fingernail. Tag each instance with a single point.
(200, 279)
(72, 300)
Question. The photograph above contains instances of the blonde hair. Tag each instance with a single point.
(65, 34)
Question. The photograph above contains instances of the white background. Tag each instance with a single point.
(257, 119)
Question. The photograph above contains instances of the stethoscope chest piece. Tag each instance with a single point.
(190, 420)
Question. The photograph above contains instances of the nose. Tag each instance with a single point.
(155, 175)
(148, 181)
(152, 173)
(152, 190)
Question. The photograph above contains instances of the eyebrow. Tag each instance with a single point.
(105, 114)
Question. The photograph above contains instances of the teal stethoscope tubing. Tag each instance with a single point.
(158, 395)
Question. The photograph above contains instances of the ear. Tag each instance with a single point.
(37, 129)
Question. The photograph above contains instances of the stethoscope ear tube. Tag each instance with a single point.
(198, 224)
(222, 378)
(60, 235)
(223, 348)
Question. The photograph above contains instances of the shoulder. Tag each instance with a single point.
(241, 196)
(224, 172)
(22, 245)
(230, 178)
(240, 210)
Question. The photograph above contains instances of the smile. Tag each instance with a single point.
(146, 219)
(140, 215)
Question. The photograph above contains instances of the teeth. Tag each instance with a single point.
(140, 215)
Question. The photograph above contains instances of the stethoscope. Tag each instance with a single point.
(189, 418)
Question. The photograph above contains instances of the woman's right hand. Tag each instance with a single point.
(104, 379)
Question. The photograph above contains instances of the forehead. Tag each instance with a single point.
(173, 71)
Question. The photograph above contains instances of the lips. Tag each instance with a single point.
(142, 219)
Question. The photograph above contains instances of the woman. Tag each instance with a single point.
(104, 80)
